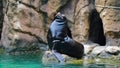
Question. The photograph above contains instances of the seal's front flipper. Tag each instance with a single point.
(58, 56)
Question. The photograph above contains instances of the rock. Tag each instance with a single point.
(68, 11)
(98, 49)
(22, 28)
(43, 47)
(115, 50)
(32, 3)
(1, 50)
(111, 18)
(118, 57)
(1, 17)
(48, 57)
(53, 6)
(103, 54)
(89, 47)
(0, 44)
(81, 22)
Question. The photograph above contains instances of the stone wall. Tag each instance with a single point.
(26, 21)
(24, 27)
(110, 13)
(81, 20)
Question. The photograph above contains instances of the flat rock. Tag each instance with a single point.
(89, 47)
(113, 50)
(98, 49)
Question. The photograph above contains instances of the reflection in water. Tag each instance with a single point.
(34, 61)
(101, 66)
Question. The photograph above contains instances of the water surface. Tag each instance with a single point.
(34, 61)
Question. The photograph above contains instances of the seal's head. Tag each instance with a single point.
(60, 16)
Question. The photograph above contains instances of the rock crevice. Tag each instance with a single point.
(29, 33)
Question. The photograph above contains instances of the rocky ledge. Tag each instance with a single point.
(92, 51)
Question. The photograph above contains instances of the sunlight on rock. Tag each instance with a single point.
(98, 49)
(17, 25)
(103, 14)
(89, 47)
(112, 49)
(20, 6)
(16, 36)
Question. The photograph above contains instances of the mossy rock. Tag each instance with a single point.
(1, 50)
(80, 61)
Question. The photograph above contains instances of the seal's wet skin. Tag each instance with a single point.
(60, 40)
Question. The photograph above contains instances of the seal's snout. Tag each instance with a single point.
(60, 15)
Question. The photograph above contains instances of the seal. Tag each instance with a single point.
(60, 40)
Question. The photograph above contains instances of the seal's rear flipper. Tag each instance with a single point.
(58, 56)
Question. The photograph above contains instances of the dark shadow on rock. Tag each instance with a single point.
(44, 1)
(1, 17)
(96, 31)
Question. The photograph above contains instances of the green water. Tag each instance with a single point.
(34, 61)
